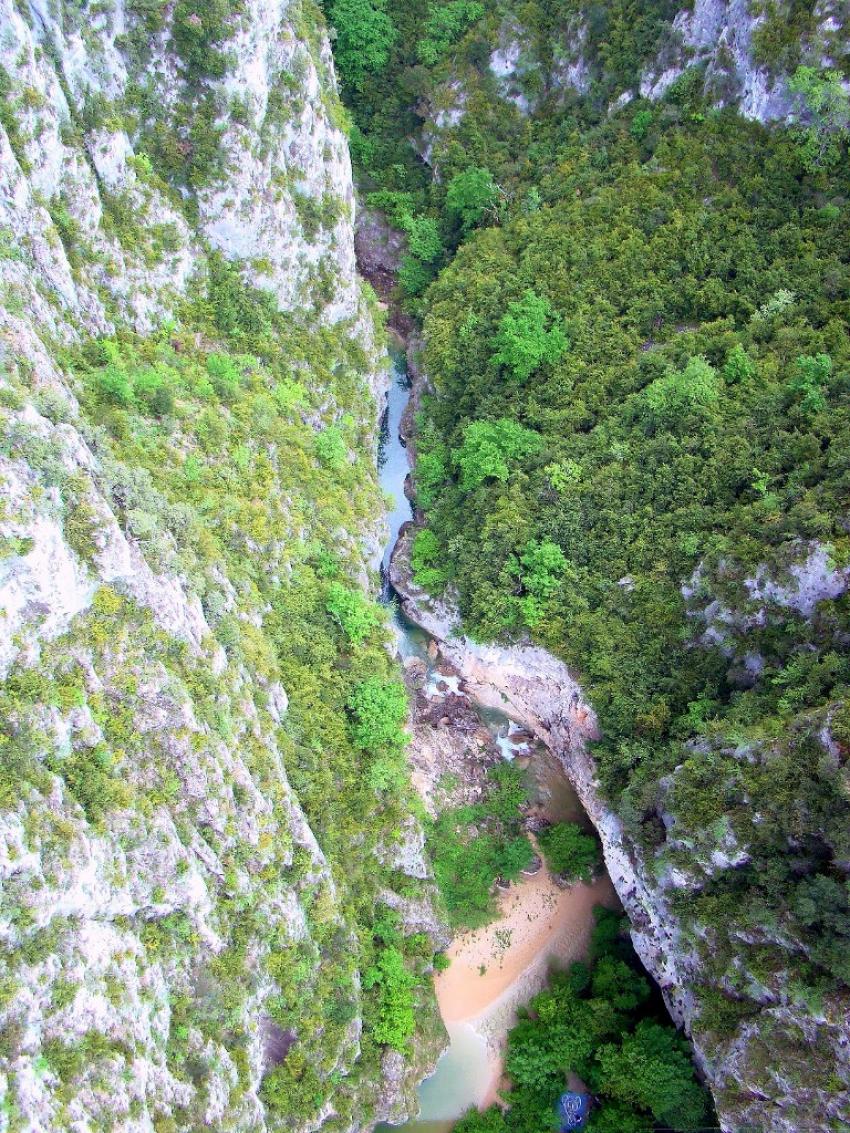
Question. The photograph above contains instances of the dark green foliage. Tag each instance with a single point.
(447, 23)
(379, 709)
(651, 1070)
(694, 433)
(199, 29)
(696, 418)
(364, 36)
(569, 851)
(597, 1023)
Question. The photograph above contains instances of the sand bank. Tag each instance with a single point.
(495, 970)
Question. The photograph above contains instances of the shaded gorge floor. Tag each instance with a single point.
(540, 924)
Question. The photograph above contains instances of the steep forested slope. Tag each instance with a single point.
(636, 448)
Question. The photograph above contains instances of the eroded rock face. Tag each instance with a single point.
(188, 878)
(757, 1081)
(718, 35)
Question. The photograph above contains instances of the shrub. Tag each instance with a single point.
(425, 555)
(379, 711)
(331, 448)
(471, 195)
(395, 1020)
(569, 851)
(490, 448)
(445, 25)
(364, 37)
(354, 613)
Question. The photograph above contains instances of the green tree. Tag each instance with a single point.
(445, 26)
(614, 1117)
(489, 449)
(364, 36)
(811, 377)
(651, 1070)
(739, 367)
(618, 984)
(423, 238)
(569, 851)
(471, 195)
(678, 393)
(529, 334)
(379, 710)
(826, 116)
(395, 1021)
(425, 560)
(354, 613)
(331, 448)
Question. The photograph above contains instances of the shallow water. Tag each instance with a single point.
(392, 461)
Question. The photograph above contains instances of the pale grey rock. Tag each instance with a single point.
(814, 579)
(109, 891)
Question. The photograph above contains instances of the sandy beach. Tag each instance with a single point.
(496, 969)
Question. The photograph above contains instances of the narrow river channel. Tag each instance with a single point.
(496, 969)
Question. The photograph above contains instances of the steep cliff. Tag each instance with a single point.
(191, 847)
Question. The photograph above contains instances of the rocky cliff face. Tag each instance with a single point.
(738, 54)
(171, 929)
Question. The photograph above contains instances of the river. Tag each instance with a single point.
(496, 969)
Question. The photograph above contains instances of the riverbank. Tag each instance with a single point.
(497, 969)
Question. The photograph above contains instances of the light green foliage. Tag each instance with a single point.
(540, 568)
(395, 1020)
(529, 336)
(826, 125)
(641, 123)
(364, 37)
(447, 22)
(738, 367)
(490, 448)
(423, 238)
(379, 710)
(570, 851)
(331, 448)
(471, 195)
(673, 398)
(355, 613)
(563, 475)
(425, 561)
(225, 492)
(811, 378)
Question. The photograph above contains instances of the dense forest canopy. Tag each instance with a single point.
(637, 451)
